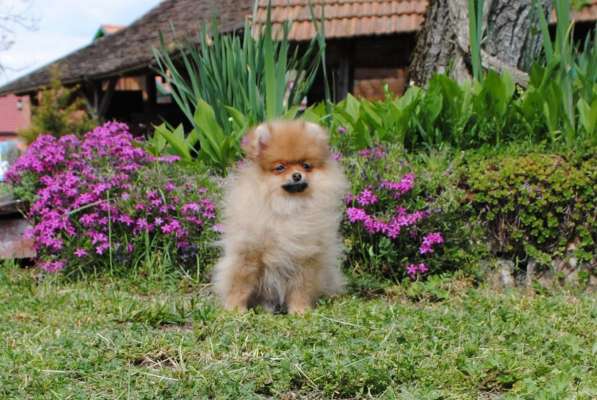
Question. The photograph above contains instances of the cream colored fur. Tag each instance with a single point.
(280, 243)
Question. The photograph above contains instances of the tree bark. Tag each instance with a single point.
(511, 39)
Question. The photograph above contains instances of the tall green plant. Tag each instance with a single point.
(565, 86)
(227, 82)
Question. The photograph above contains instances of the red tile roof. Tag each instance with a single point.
(346, 18)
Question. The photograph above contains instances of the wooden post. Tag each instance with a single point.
(106, 98)
(151, 92)
(344, 79)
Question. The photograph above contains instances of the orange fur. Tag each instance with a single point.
(280, 247)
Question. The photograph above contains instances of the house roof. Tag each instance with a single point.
(131, 48)
(345, 18)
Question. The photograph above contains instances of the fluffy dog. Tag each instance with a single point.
(281, 245)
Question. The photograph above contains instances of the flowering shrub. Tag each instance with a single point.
(404, 216)
(102, 201)
(379, 213)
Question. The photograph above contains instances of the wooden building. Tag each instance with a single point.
(369, 43)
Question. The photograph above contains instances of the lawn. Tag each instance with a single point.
(165, 338)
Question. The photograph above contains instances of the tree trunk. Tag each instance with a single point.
(511, 39)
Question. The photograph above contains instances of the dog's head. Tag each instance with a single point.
(288, 153)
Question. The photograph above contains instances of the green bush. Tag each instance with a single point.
(58, 113)
(535, 202)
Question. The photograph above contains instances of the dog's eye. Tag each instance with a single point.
(307, 166)
(279, 168)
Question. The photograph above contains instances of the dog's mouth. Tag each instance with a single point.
(295, 187)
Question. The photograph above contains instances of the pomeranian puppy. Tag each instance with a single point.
(282, 210)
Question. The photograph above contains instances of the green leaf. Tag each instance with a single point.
(588, 116)
(176, 139)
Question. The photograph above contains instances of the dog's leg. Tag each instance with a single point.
(244, 278)
(303, 293)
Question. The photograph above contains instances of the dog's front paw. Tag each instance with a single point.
(298, 309)
(238, 306)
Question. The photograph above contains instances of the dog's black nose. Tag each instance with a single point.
(297, 177)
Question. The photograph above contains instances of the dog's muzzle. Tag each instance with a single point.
(295, 187)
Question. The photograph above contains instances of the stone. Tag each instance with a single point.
(13, 244)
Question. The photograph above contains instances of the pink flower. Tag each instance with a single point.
(219, 228)
(52, 266)
(80, 253)
(168, 159)
(413, 270)
(405, 185)
(356, 214)
(430, 240)
(375, 153)
(190, 208)
(367, 197)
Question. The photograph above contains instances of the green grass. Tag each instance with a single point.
(167, 339)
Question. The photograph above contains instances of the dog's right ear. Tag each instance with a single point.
(256, 141)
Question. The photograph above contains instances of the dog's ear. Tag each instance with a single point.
(256, 141)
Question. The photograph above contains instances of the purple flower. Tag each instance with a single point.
(341, 130)
(374, 225)
(356, 214)
(429, 241)
(169, 187)
(101, 249)
(367, 197)
(52, 266)
(190, 208)
(80, 252)
(219, 228)
(168, 159)
(374, 153)
(405, 185)
(413, 270)
(336, 156)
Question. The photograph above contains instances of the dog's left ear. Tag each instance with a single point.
(255, 141)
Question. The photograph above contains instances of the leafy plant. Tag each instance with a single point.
(564, 88)
(228, 82)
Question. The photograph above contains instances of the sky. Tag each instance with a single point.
(62, 26)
